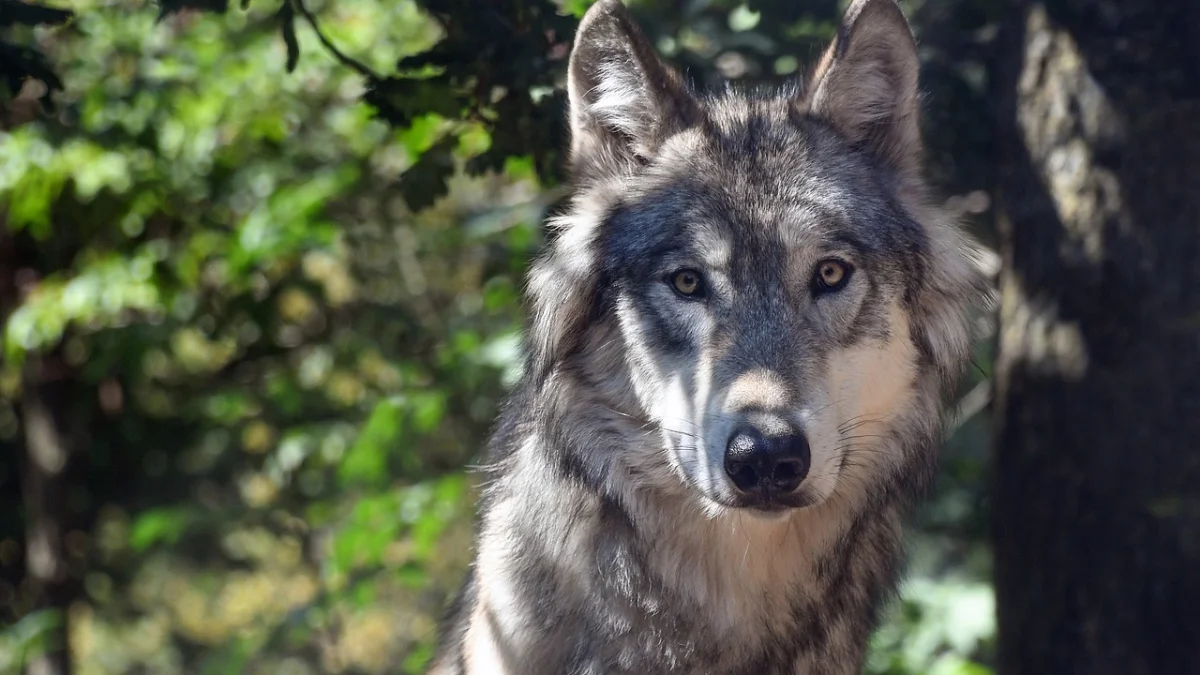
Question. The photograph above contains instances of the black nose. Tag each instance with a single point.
(767, 465)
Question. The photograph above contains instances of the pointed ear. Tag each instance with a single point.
(866, 85)
(624, 100)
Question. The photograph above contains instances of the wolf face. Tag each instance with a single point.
(760, 304)
(755, 278)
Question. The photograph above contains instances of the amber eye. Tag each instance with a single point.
(831, 275)
(687, 283)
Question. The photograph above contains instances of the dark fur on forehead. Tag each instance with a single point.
(646, 151)
(756, 152)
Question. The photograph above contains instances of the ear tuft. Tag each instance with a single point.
(624, 100)
(866, 85)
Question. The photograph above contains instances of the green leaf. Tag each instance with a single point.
(428, 408)
(412, 576)
(742, 18)
(101, 294)
(366, 461)
(373, 524)
(365, 593)
(418, 658)
(164, 524)
(577, 7)
(33, 635)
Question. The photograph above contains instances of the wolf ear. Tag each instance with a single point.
(624, 100)
(866, 85)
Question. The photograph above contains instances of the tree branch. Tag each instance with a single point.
(348, 61)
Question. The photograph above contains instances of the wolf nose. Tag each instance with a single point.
(771, 465)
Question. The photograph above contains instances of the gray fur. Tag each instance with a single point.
(611, 538)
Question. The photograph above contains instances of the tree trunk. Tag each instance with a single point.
(45, 401)
(1097, 499)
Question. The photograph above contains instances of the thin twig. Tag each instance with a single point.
(350, 62)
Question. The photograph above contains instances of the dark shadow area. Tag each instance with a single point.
(1098, 480)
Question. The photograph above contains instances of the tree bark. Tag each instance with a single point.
(1097, 495)
(45, 404)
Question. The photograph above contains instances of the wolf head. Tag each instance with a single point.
(755, 280)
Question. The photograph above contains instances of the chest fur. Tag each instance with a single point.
(735, 595)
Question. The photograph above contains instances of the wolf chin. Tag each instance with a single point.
(743, 336)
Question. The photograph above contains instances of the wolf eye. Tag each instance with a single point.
(687, 283)
(831, 275)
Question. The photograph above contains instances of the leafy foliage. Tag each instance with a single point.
(19, 62)
(282, 284)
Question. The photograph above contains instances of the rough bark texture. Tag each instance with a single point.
(1097, 498)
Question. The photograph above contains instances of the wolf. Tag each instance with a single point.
(743, 335)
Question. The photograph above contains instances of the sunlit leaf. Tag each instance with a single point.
(32, 635)
(366, 461)
(160, 525)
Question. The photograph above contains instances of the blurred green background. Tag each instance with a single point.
(260, 299)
